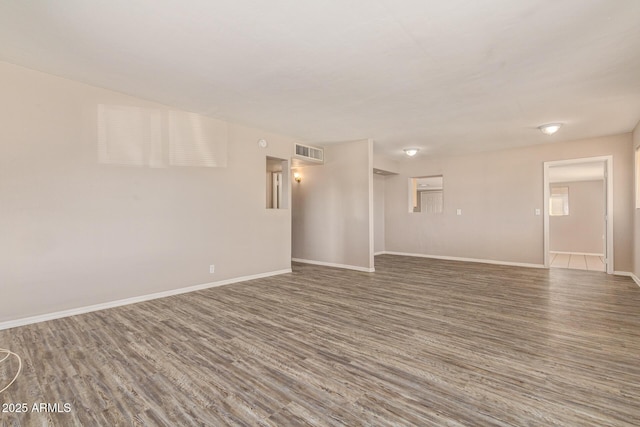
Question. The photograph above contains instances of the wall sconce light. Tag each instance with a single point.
(297, 177)
(411, 151)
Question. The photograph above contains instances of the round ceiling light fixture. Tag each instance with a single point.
(550, 128)
(411, 151)
(262, 143)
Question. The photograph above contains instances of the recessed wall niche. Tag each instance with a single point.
(277, 183)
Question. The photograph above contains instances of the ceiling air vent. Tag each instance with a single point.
(308, 154)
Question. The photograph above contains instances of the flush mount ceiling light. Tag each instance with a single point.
(550, 128)
(411, 151)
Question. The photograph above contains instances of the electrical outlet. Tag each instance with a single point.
(459, 212)
(212, 268)
(537, 212)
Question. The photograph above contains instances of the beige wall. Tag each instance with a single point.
(75, 232)
(378, 212)
(636, 212)
(331, 207)
(498, 193)
(582, 231)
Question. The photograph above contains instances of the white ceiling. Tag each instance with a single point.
(447, 76)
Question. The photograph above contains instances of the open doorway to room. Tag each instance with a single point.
(277, 183)
(578, 198)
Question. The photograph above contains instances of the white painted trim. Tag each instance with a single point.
(608, 160)
(546, 193)
(575, 253)
(379, 253)
(370, 205)
(133, 300)
(331, 264)
(628, 274)
(579, 160)
(483, 261)
(610, 215)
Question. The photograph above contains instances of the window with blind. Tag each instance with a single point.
(559, 201)
(431, 201)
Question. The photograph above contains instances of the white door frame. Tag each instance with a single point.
(609, 205)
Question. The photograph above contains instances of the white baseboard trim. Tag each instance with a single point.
(379, 253)
(575, 253)
(331, 264)
(628, 274)
(483, 261)
(133, 300)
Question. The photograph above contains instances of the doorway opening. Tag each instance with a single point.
(578, 225)
(277, 183)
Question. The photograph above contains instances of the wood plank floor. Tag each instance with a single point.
(419, 342)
